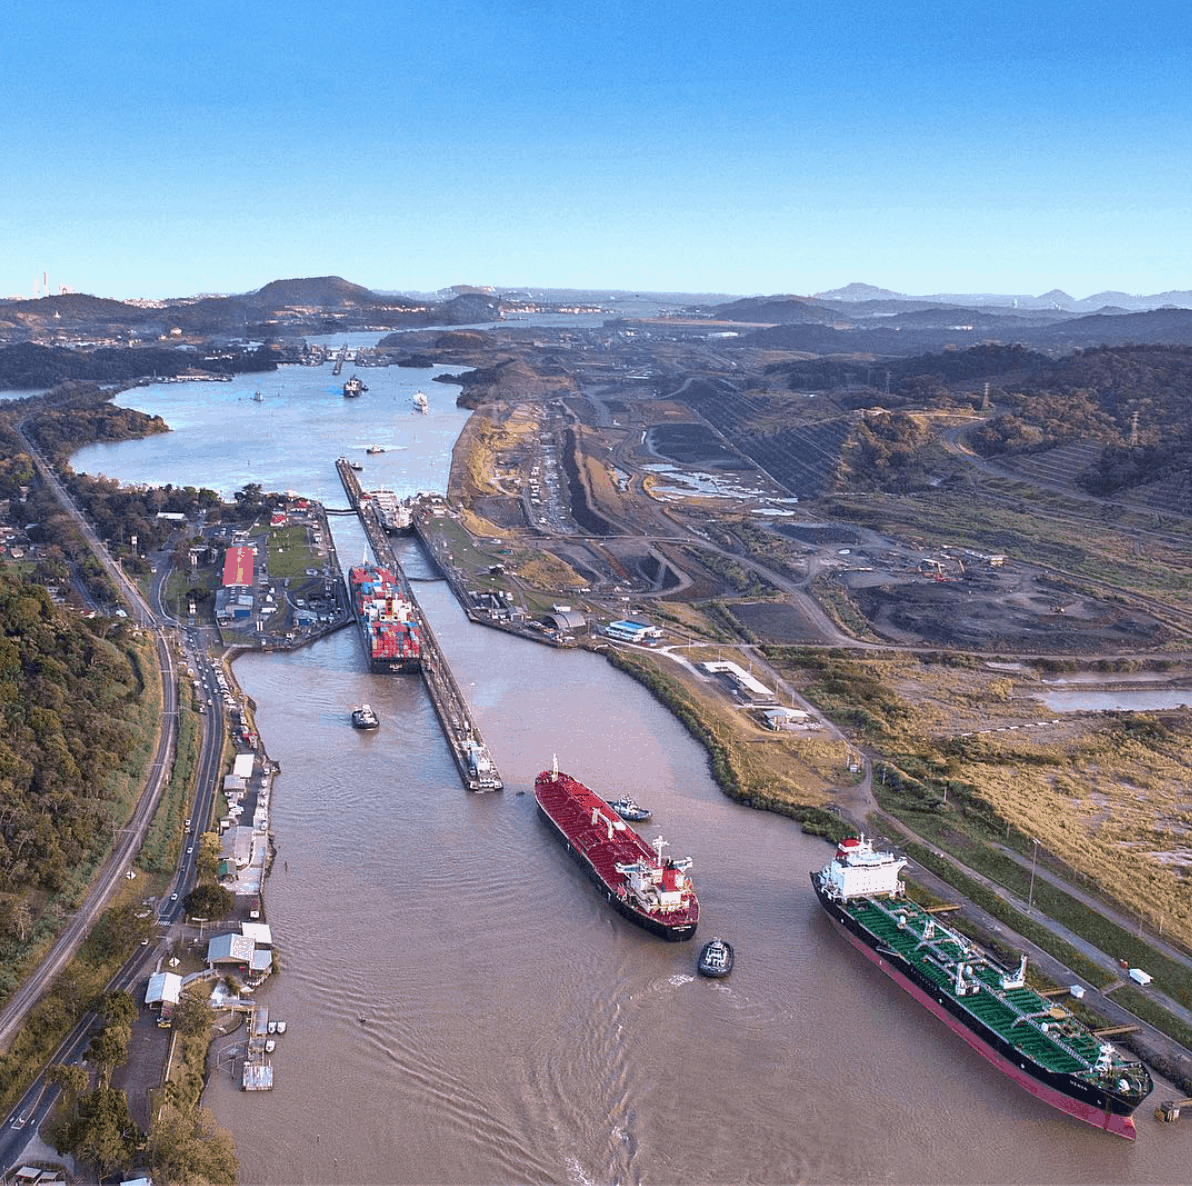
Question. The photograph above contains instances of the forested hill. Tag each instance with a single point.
(72, 712)
(27, 365)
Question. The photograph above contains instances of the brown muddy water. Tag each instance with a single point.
(464, 1008)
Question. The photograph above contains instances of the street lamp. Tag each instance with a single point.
(1034, 860)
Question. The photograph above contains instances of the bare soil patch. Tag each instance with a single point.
(777, 622)
(694, 444)
(1020, 612)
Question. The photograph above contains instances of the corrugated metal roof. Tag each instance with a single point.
(163, 987)
(238, 567)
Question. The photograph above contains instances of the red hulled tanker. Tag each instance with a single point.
(639, 883)
(388, 619)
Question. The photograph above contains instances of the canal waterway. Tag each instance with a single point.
(464, 1008)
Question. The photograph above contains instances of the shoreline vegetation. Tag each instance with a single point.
(79, 738)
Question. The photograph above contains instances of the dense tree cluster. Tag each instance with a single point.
(96, 1126)
(67, 699)
(212, 902)
(893, 382)
(60, 431)
(102, 1131)
(886, 453)
(1150, 384)
(1123, 467)
(28, 366)
(187, 1146)
(119, 513)
(1045, 419)
(1133, 400)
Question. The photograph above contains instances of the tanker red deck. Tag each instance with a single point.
(638, 882)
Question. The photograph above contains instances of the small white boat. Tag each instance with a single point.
(270, 1045)
(421, 402)
(281, 1027)
(273, 1027)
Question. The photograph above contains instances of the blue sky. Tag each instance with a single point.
(925, 147)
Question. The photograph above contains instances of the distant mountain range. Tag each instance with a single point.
(1055, 299)
(318, 304)
(855, 318)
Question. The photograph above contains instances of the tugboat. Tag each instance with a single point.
(630, 809)
(715, 958)
(365, 717)
(374, 449)
(353, 387)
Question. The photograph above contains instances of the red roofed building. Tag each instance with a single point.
(238, 568)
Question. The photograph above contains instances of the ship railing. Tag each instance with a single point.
(1035, 1021)
(944, 934)
(946, 966)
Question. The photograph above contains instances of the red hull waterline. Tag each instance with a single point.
(1122, 1126)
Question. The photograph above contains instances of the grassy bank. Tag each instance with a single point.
(770, 772)
(1104, 794)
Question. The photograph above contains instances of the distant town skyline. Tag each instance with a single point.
(787, 147)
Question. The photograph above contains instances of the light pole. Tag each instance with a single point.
(1034, 860)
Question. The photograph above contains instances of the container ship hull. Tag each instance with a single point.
(379, 664)
(1027, 1037)
(623, 867)
(388, 621)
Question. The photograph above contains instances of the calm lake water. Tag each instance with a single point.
(1125, 700)
(463, 1007)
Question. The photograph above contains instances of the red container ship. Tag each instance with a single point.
(388, 619)
(639, 883)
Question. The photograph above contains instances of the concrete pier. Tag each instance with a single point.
(468, 748)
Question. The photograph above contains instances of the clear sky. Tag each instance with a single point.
(163, 150)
